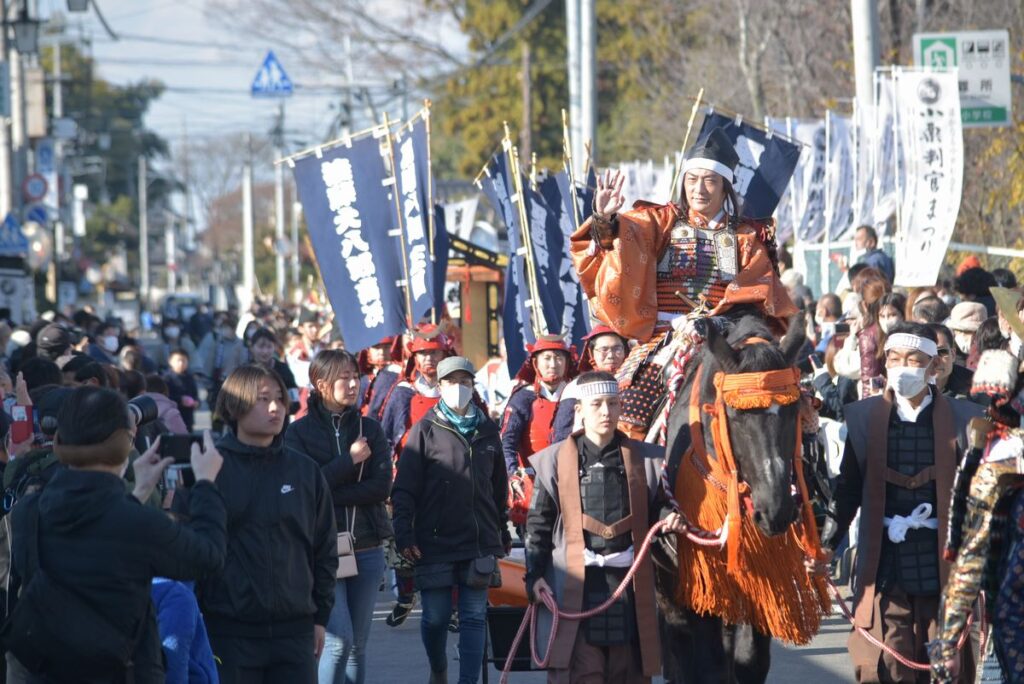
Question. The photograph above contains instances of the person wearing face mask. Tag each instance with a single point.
(354, 456)
(827, 314)
(218, 355)
(861, 356)
(649, 272)
(964, 321)
(412, 398)
(901, 454)
(449, 504)
(890, 310)
(100, 549)
(173, 338)
(105, 343)
(263, 348)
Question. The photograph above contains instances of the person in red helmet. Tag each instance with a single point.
(380, 366)
(605, 350)
(413, 396)
(526, 427)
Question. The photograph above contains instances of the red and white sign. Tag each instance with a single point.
(34, 187)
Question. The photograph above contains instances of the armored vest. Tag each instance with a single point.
(538, 434)
(910, 481)
(697, 262)
(604, 494)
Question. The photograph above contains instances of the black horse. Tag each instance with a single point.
(701, 649)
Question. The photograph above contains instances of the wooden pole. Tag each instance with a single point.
(686, 139)
(536, 312)
(430, 203)
(567, 162)
(401, 221)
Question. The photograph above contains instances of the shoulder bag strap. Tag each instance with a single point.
(352, 518)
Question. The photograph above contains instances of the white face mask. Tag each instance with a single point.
(907, 381)
(963, 342)
(456, 396)
(884, 325)
(110, 343)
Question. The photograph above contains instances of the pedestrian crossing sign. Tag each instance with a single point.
(12, 241)
(271, 80)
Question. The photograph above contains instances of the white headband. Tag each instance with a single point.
(908, 341)
(708, 165)
(603, 388)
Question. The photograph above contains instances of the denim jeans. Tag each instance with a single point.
(437, 610)
(344, 657)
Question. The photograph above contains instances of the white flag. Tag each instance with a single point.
(931, 141)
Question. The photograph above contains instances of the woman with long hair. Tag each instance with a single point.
(355, 459)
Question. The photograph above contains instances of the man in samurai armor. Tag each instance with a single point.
(530, 416)
(604, 350)
(986, 540)
(901, 454)
(380, 367)
(650, 271)
(596, 496)
(413, 396)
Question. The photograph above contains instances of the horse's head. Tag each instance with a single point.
(764, 438)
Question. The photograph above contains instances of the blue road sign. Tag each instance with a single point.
(271, 80)
(12, 241)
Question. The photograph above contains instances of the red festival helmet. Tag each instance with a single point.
(425, 337)
(586, 362)
(392, 355)
(528, 373)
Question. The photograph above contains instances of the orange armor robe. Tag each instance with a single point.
(621, 282)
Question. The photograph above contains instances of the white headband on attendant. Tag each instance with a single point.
(708, 165)
(603, 388)
(908, 341)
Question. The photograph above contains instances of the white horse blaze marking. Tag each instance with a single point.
(773, 410)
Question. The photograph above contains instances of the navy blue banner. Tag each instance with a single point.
(349, 213)
(441, 246)
(551, 223)
(412, 181)
(766, 163)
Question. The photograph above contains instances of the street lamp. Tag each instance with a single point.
(78, 5)
(26, 32)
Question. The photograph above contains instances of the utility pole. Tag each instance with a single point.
(526, 134)
(588, 76)
(572, 26)
(143, 233)
(248, 253)
(865, 47)
(279, 205)
(171, 247)
(6, 158)
(19, 138)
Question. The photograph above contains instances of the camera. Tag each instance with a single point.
(143, 410)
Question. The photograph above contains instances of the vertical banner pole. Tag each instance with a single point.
(400, 221)
(536, 311)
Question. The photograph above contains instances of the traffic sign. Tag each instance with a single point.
(271, 80)
(982, 61)
(37, 213)
(34, 187)
(12, 241)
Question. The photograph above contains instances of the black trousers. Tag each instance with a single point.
(281, 660)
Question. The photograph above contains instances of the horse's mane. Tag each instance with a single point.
(752, 357)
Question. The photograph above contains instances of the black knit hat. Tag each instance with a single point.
(713, 152)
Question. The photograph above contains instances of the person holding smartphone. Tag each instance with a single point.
(99, 543)
(267, 610)
(355, 458)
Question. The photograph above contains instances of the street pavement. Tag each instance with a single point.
(395, 654)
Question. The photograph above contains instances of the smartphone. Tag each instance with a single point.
(22, 429)
(814, 361)
(178, 476)
(179, 447)
(842, 328)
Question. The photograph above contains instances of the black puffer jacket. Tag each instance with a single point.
(326, 438)
(450, 494)
(98, 539)
(278, 579)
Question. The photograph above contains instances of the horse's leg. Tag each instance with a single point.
(676, 640)
(728, 638)
(752, 655)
